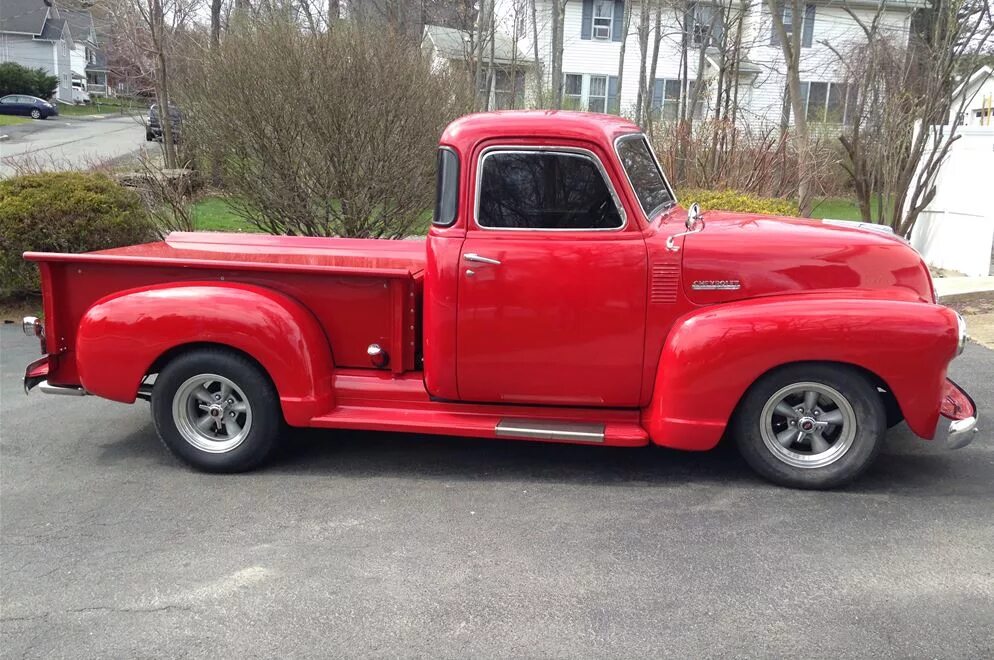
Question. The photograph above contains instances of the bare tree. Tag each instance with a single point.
(626, 24)
(540, 86)
(361, 166)
(558, 27)
(904, 111)
(790, 45)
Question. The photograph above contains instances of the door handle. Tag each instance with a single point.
(472, 256)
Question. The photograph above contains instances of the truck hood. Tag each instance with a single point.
(740, 256)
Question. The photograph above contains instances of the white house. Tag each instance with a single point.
(89, 69)
(33, 33)
(973, 101)
(592, 44)
(505, 88)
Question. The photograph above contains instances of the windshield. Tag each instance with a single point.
(644, 174)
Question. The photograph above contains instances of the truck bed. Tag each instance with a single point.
(360, 291)
(382, 258)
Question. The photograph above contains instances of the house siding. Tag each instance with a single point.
(760, 96)
(36, 53)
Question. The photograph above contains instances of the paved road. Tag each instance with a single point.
(375, 545)
(70, 142)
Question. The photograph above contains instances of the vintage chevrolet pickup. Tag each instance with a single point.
(561, 295)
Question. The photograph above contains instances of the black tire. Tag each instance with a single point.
(36, 114)
(865, 414)
(149, 137)
(261, 431)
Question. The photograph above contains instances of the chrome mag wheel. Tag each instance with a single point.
(212, 413)
(808, 425)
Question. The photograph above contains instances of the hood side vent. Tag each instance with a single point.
(665, 283)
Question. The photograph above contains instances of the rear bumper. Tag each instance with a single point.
(958, 418)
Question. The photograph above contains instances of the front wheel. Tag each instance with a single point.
(216, 410)
(36, 114)
(811, 426)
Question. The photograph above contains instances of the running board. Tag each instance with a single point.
(543, 429)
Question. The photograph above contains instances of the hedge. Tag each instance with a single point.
(731, 200)
(63, 212)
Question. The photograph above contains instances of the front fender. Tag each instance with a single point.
(121, 336)
(712, 355)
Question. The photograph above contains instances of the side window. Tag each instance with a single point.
(544, 190)
(446, 188)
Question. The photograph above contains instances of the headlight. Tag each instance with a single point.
(31, 326)
(961, 323)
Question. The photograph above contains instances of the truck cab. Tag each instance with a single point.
(562, 294)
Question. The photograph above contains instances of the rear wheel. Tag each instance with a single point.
(217, 411)
(811, 426)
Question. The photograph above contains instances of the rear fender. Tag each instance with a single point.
(714, 354)
(120, 337)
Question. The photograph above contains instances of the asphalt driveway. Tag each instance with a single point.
(358, 544)
(67, 142)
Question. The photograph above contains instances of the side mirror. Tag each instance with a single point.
(695, 223)
(693, 216)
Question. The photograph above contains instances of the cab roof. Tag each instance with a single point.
(464, 133)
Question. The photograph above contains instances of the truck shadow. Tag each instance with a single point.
(370, 454)
(907, 466)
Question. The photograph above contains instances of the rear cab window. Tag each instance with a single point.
(446, 188)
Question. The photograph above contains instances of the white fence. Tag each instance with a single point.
(956, 231)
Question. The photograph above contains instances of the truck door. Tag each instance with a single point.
(552, 284)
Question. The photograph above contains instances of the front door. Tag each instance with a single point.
(552, 290)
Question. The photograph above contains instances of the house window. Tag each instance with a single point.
(829, 102)
(573, 91)
(597, 98)
(788, 21)
(603, 19)
(499, 93)
(707, 26)
(591, 92)
(666, 100)
(791, 23)
(509, 91)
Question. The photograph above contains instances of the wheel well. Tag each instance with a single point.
(893, 408)
(160, 362)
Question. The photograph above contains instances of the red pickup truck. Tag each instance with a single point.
(561, 295)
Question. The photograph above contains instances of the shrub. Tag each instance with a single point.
(17, 79)
(718, 155)
(326, 134)
(732, 200)
(63, 212)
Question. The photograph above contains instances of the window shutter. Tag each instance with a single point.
(613, 107)
(657, 94)
(774, 35)
(618, 24)
(809, 26)
(588, 19)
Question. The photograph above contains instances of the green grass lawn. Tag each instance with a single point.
(838, 208)
(11, 120)
(214, 214)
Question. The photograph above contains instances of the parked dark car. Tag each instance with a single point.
(153, 130)
(29, 106)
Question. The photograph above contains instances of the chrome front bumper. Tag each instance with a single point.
(957, 433)
(957, 423)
